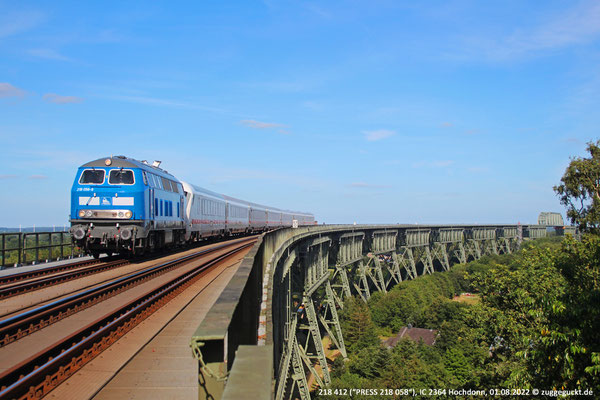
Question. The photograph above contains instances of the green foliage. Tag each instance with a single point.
(370, 362)
(565, 352)
(414, 302)
(359, 329)
(537, 324)
(580, 190)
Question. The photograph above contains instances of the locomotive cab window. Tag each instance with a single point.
(92, 177)
(121, 177)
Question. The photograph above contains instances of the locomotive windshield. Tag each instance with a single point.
(120, 177)
(92, 176)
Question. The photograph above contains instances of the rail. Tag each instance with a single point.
(40, 373)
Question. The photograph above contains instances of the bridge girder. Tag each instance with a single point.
(320, 267)
(337, 267)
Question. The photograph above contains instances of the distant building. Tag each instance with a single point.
(428, 336)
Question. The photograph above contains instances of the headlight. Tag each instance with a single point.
(121, 215)
(88, 213)
(79, 233)
(128, 214)
(81, 213)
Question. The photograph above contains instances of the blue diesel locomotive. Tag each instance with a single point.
(122, 205)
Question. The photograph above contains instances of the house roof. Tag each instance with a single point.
(428, 336)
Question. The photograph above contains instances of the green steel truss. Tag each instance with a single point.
(318, 274)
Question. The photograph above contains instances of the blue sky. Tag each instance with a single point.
(374, 112)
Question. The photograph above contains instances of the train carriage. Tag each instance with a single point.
(122, 205)
(273, 218)
(205, 212)
(258, 218)
(237, 216)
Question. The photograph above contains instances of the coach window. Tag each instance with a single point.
(161, 208)
(121, 177)
(145, 178)
(156, 206)
(92, 177)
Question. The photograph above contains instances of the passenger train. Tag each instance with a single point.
(122, 205)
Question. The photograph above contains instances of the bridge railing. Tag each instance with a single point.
(20, 248)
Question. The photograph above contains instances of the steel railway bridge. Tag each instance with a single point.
(252, 345)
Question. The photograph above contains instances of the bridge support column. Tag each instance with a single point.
(376, 274)
(394, 270)
(303, 345)
(363, 284)
(407, 260)
(473, 248)
(461, 254)
(291, 356)
(333, 324)
(440, 252)
(427, 261)
(504, 246)
(340, 285)
(315, 335)
(494, 246)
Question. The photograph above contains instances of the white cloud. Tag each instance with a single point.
(433, 164)
(57, 99)
(447, 124)
(260, 125)
(444, 163)
(366, 185)
(38, 177)
(8, 90)
(373, 136)
(48, 54)
(18, 22)
(7, 176)
(164, 102)
(478, 170)
(251, 123)
(578, 25)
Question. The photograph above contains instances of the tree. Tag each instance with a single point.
(566, 353)
(580, 190)
(358, 328)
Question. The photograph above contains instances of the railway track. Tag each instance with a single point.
(22, 276)
(29, 283)
(41, 372)
(24, 282)
(30, 321)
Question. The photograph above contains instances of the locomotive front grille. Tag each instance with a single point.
(118, 214)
